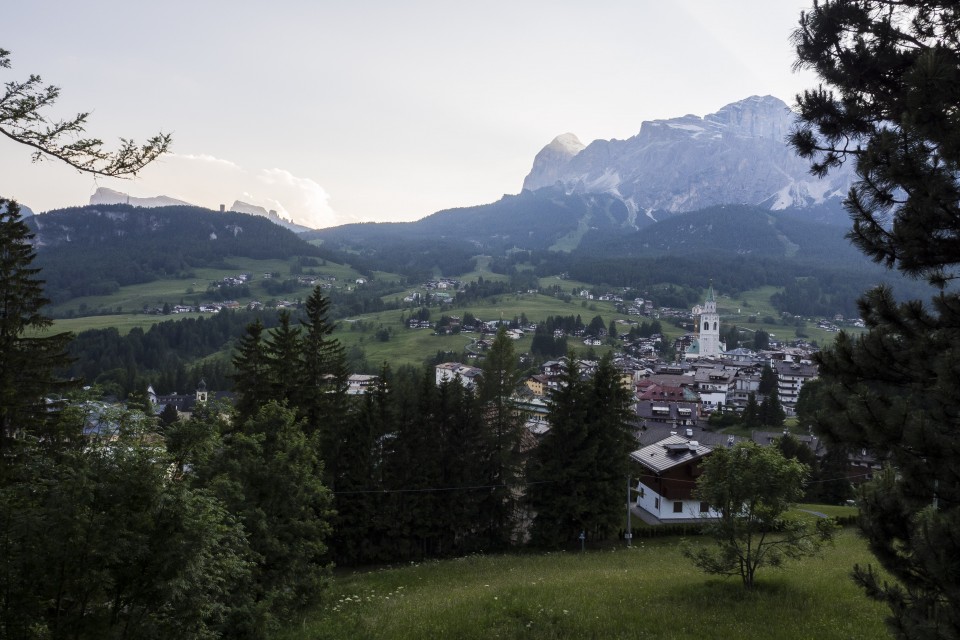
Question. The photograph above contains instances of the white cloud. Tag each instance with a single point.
(208, 181)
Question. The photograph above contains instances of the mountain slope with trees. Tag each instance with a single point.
(94, 250)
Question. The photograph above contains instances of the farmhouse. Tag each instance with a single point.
(668, 471)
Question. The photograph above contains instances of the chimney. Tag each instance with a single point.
(223, 208)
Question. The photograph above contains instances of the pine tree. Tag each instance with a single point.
(282, 352)
(751, 413)
(611, 428)
(29, 360)
(363, 523)
(321, 385)
(771, 411)
(322, 375)
(891, 72)
(768, 380)
(504, 428)
(252, 378)
(578, 470)
(561, 466)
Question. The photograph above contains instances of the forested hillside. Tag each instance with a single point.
(96, 249)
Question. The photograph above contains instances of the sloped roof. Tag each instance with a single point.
(670, 452)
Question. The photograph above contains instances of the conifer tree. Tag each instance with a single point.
(561, 465)
(363, 522)
(771, 411)
(504, 428)
(29, 359)
(891, 73)
(768, 380)
(609, 408)
(282, 352)
(578, 470)
(751, 413)
(252, 378)
(321, 385)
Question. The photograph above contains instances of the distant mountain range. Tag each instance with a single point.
(103, 195)
(737, 155)
(627, 197)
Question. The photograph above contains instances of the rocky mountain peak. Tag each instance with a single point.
(737, 155)
(103, 195)
(549, 163)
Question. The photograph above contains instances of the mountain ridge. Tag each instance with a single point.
(737, 155)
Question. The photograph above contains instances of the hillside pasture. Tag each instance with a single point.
(647, 591)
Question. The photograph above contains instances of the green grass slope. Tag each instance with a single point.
(649, 591)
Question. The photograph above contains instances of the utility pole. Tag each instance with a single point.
(629, 534)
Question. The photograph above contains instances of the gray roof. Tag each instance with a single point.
(657, 432)
(670, 452)
(795, 369)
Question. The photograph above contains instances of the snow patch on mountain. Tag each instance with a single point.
(737, 155)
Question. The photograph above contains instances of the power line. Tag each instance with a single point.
(437, 489)
(527, 484)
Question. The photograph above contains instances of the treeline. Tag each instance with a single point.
(163, 355)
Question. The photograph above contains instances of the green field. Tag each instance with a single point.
(411, 346)
(648, 591)
(190, 290)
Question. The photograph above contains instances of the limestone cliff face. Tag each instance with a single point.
(550, 162)
(104, 195)
(737, 155)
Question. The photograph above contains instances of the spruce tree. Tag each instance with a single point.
(252, 378)
(560, 470)
(768, 380)
(611, 428)
(771, 411)
(29, 358)
(751, 413)
(891, 74)
(282, 352)
(578, 470)
(504, 428)
(321, 384)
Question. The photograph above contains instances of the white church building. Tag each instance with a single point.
(707, 344)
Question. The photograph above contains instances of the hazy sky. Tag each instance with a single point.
(376, 110)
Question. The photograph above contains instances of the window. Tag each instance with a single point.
(704, 507)
(678, 507)
(706, 326)
(656, 503)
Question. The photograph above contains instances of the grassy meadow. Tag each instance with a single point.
(648, 591)
(174, 290)
(411, 346)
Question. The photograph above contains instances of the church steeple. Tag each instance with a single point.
(708, 335)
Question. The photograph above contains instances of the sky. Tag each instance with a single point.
(369, 110)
